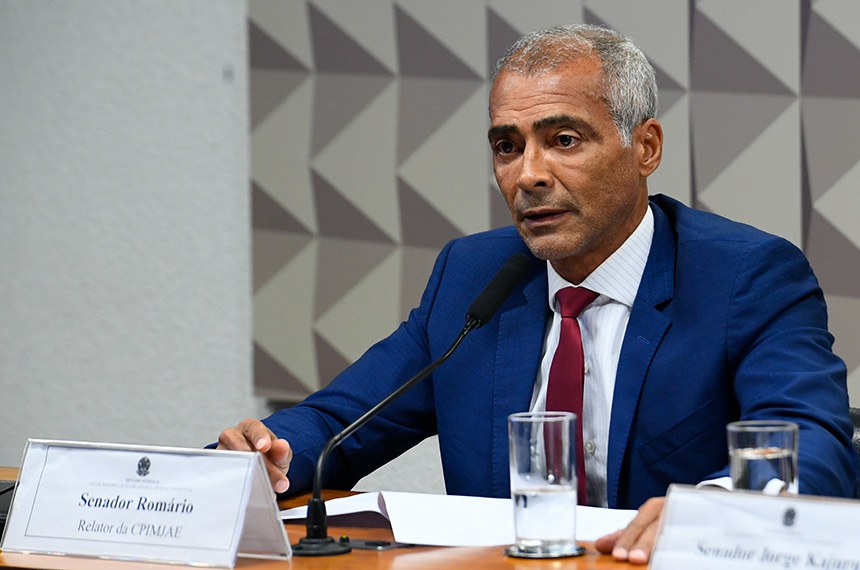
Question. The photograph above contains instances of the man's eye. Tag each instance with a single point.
(567, 140)
(504, 147)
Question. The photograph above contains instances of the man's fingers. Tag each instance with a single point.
(257, 434)
(253, 435)
(277, 476)
(278, 463)
(233, 438)
(280, 454)
(634, 543)
(640, 552)
(248, 435)
(605, 544)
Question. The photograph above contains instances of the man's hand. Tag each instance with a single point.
(635, 542)
(253, 435)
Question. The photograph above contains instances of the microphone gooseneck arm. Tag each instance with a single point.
(317, 525)
(317, 542)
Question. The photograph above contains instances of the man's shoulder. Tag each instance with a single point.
(692, 225)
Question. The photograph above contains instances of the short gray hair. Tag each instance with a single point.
(629, 83)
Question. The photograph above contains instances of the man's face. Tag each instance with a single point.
(575, 193)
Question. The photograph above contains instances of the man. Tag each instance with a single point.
(699, 321)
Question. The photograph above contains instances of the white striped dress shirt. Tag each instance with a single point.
(603, 324)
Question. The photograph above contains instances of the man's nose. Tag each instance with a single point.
(534, 173)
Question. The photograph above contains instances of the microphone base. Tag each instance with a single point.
(321, 547)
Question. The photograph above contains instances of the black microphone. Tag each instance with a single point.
(318, 542)
(498, 289)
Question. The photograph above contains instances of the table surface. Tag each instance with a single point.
(409, 557)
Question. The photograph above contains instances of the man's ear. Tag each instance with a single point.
(649, 144)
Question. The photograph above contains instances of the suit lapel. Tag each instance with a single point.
(521, 329)
(645, 331)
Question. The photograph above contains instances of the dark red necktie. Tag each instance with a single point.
(564, 392)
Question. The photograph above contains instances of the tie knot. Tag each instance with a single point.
(572, 300)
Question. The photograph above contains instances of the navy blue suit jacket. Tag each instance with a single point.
(729, 322)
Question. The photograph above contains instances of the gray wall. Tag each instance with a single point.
(124, 221)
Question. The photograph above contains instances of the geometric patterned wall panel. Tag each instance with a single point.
(369, 148)
(830, 79)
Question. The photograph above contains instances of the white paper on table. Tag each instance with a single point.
(453, 520)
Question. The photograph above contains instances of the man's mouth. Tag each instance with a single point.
(536, 216)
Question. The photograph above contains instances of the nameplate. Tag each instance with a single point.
(715, 530)
(198, 507)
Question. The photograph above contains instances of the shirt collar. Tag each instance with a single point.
(619, 275)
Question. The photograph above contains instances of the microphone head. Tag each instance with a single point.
(498, 289)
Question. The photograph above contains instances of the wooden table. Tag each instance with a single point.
(411, 557)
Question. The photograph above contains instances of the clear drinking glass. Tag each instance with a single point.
(763, 455)
(543, 484)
